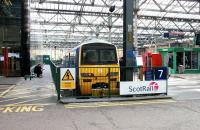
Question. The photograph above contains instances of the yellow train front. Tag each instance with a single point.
(97, 68)
(98, 80)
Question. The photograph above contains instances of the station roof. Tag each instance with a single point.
(65, 23)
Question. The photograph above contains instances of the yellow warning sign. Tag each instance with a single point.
(67, 85)
(68, 76)
(67, 80)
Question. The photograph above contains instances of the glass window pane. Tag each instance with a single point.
(194, 60)
(188, 60)
(93, 56)
(90, 56)
(170, 62)
(108, 56)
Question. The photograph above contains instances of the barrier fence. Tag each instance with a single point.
(99, 82)
(55, 72)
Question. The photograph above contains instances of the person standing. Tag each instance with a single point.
(38, 70)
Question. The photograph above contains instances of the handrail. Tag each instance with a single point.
(55, 72)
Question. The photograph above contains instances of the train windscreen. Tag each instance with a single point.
(104, 54)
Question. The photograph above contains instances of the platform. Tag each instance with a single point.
(42, 90)
(113, 99)
(36, 90)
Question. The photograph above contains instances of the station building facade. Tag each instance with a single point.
(181, 60)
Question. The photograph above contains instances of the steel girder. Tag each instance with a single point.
(79, 9)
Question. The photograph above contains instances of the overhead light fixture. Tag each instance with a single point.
(112, 8)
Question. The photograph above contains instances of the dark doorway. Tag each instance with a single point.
(179, 59)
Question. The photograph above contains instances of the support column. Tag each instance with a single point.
(128, 39)
(174, 62)
(25, 41)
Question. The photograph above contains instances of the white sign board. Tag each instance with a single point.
(67, 78)
(143, 87)
(139, 61)
(1, 58)
(13, 55)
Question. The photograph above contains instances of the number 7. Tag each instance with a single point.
(161, 72)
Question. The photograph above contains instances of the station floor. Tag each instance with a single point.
(17, 90)
(20, 91)
(32, 104)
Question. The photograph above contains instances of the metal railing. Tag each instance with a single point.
(55, 72)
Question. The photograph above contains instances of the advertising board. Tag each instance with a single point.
(143, 87)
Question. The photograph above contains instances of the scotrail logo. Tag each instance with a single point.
(153, 86)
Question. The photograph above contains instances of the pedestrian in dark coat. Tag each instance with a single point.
(38, 70)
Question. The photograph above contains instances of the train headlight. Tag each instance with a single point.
(87, 75)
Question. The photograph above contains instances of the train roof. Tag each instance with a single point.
(92, 41)
(95, 41)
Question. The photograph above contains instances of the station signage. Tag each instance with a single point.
(143, 87)
(174, 34)
(67, 78)
(161, 73)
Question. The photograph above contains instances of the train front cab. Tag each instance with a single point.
(97, 76)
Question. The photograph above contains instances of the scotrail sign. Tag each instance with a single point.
(143, 87)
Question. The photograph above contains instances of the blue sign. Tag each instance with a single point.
(161, 73)
(130, 54)
(148, 74)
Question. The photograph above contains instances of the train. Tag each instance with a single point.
(97, 67)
